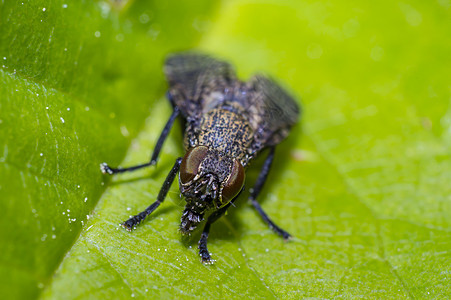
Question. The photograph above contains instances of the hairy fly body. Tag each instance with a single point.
(228, 122)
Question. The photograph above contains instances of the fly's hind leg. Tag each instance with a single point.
(256, 190)
(135, 220)
(153, 160)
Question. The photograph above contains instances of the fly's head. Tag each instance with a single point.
(208, 180)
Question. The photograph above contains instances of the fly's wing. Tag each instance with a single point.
(272, 111)
(197, 80)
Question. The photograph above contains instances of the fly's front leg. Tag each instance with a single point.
(203, 251)
(135, 220)
(153, 160)
(256, 190)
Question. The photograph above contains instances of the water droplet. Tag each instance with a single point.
(413, 17)
(351, 27)
(62, 120)
(314, 51)
(124, 131)
(144, 18)
(64, 5)
(105, 9)
(44, 9)
(120, 37)
(377, 53)
(97, 34)
(154, 31)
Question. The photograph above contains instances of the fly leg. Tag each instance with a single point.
(153, 160)
(203, 251)
(256, 190)
(135, 220)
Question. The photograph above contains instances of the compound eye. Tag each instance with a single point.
(234, 184)
(190, 163)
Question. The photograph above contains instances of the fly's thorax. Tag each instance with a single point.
(209, 179)
(225, 130)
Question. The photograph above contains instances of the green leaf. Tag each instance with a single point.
(362, 184)
(77, 81)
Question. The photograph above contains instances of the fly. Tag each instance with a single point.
(227, 123)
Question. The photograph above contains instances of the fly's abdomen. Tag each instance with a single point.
(225, 131)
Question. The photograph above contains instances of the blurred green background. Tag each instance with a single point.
(362, 183)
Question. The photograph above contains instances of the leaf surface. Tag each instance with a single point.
(77, 80)
(362, 184)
